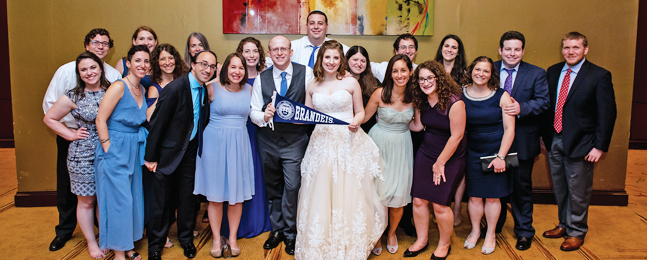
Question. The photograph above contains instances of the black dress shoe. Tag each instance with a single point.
(484, 230)
(58, 243)
(415, 253)
(154, 256)
(289, 246)
(189, 249)
(434, 257)
(276, 237)
(523, 243)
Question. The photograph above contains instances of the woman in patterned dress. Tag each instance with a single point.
(82, 102)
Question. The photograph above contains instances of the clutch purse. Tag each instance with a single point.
(511, 161)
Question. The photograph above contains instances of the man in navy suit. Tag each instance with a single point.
(578, 130)
(527, 85)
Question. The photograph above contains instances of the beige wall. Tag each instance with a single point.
(46, 34)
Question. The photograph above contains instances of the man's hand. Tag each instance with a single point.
(269, 112)
(512, 109)
(594, 155)
(152, 166)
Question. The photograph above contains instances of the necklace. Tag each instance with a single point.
(140, 91)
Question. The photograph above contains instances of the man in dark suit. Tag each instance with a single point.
(173, 143)
(579, 128)
(282, 146)
(527, 85)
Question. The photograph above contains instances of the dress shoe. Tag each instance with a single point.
(467, 244)
(235, 252)
(434, 257)
(571, 244)
(484, 230)
(392, 249)
(154, 256)
(58, 243)
(556, 232)
(523, 243)
(289, 246)
(189, 249)
(276, 237)
(408, 228)
(409, 253)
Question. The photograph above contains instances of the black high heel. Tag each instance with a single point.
(409, 253)
(434, 257)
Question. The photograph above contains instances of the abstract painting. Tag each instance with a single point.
(346, 17)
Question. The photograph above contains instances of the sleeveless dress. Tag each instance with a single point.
(120, 196)
(80, 154)
(484, 134)
(256, 212)
(340, 214)
(392, 136)
(436, 134)
(225, 172)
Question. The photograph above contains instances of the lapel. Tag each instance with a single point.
(578, 79)
(186, 85)
(552, 85)
(519, 79)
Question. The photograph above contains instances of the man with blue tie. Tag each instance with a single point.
(306, 48)
(528, 88)
(281, 146)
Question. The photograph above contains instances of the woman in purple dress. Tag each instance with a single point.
(440, 162)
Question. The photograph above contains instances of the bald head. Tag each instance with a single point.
(280, 51)
(279, 39)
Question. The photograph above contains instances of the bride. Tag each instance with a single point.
(339, 214)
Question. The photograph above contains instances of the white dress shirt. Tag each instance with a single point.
(257, 115)
(379, 69)
(504, 74)
(64, 80)
(302, 50)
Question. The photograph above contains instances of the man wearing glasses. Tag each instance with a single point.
(405, 44)
(174, 141)
(98, 42)
(281, 148)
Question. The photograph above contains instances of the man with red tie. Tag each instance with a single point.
(582, 119)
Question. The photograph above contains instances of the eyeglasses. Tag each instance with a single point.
(206, 65)
(282, 49)
(410, 47)
(96, 43)
(428, 79)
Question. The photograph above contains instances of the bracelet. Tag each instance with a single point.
(105, 140)
(499, 156)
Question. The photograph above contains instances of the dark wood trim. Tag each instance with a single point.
(598, 197)
(7, 143)
(35, 199)
(638, 144)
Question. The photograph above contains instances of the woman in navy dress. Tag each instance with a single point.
(489, 132)
(82, 102)
(120, 157)
(225, 171)
(440, 163)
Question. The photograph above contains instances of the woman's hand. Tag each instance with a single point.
(353, 127)
(499, 165)
(439, 172)
(80, 133)
(105, 146)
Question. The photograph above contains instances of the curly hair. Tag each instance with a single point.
(493, 83)
(318, 69)
(260, 66)
(97, 31)
(445, 86)
(156, 71)
(387, 84)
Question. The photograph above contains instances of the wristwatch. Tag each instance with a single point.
(499, 156)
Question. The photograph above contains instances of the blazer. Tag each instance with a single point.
(171, 125)
(589, 113)
(530, 89)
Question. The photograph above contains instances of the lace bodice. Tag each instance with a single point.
(339, 104)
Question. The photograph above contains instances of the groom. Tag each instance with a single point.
(282, 148)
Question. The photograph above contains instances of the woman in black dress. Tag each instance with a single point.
(359, 66)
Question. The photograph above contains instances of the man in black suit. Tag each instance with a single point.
(579, 128)
(528, 88)
(173, 143)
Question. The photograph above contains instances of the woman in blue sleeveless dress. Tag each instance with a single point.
(144, 35)
(120, 157)
(394, 106)
(225, 171)
(489, 132)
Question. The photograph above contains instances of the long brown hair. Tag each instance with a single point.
(445, 86)
(318, 70)
(79, 89)
(156, 71)
(367, 81)
(387, 85)
(260, 66)
(493, 83)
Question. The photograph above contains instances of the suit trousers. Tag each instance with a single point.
(162, 206)
(572, 185)
(65, 200)
(282, 172)
(520, 201)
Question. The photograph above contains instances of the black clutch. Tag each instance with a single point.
(511, 161)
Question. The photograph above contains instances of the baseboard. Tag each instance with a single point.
(638, 144)
(35, 199)
(598, 197)
(7, 143)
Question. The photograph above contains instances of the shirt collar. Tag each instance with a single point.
(516, 68)
(575, 69)
(310, 44)
(193, 82)
(277, 72)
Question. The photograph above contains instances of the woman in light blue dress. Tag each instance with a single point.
(120, 157)
(393, 103)
(225, 171)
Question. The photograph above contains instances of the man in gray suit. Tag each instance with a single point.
(281, 148)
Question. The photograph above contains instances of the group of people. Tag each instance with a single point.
(140, 142)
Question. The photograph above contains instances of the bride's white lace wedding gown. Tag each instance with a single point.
(339, 213)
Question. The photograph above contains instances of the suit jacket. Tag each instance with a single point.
(171, 125)
(530, 89)
(589, 113)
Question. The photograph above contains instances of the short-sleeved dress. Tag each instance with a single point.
(80, 154)
(484, 134)
(225, 171)
(391, 134)
(436, 134)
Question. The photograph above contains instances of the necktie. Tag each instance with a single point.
(200, 118)
(311, 62)
(284, 84)
(507, 85)
(561, 99)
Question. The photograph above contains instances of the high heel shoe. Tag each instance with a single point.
(392, 249)
(415, 253)
(216, 252)
(469, 245)
(377, 251)
(487, 250)
(434, 257)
